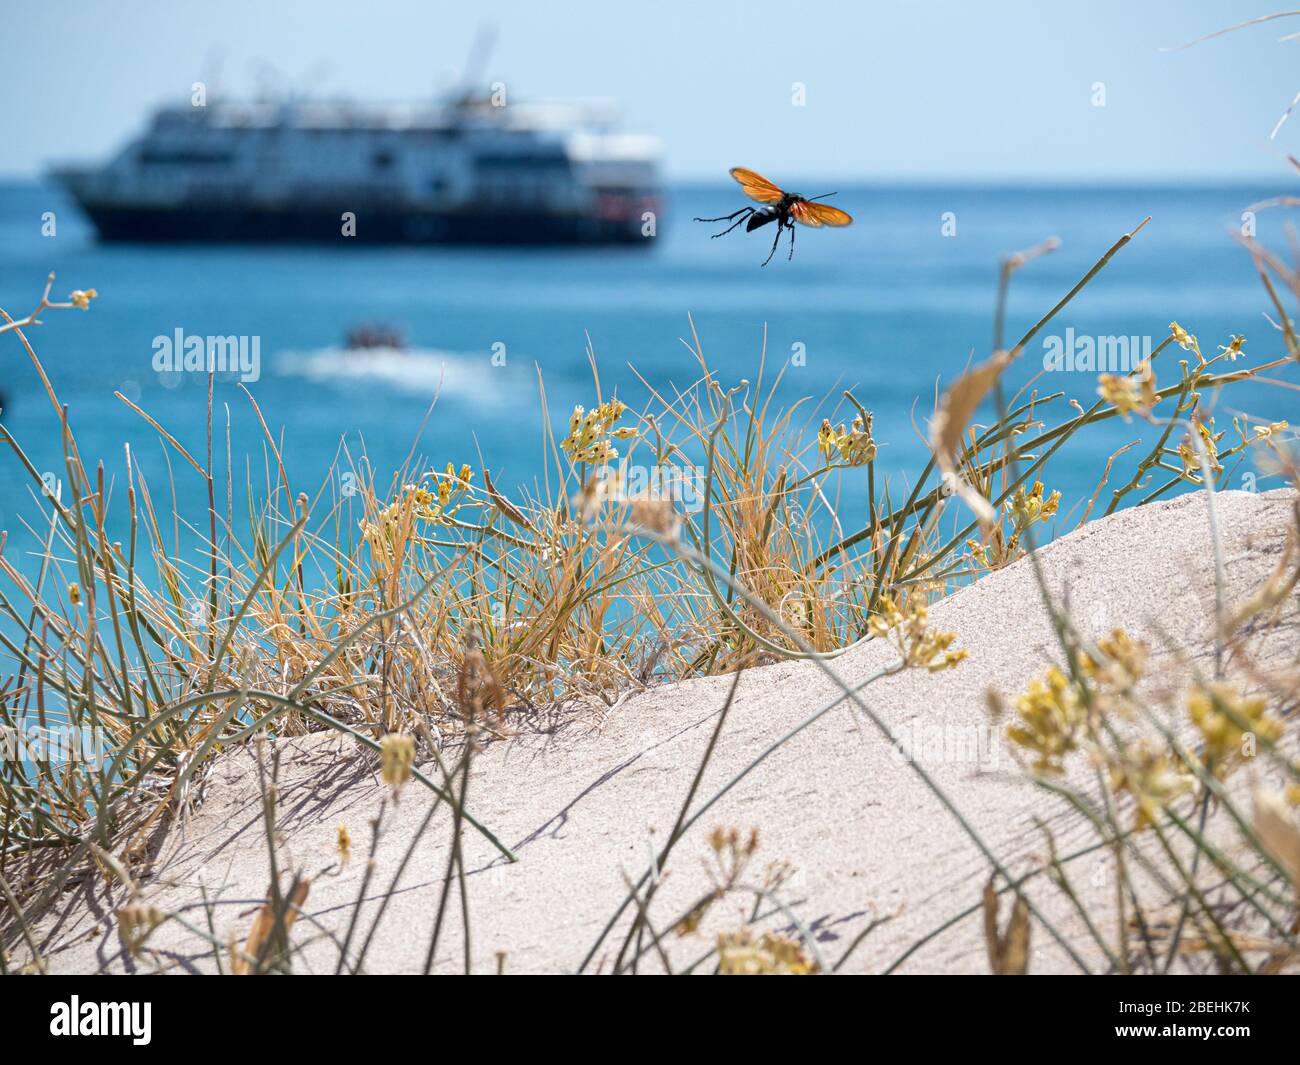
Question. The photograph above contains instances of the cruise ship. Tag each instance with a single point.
(472, 169)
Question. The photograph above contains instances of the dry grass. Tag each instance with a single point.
(431, 606)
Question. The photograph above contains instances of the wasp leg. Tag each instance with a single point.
(791, 256)
(744, 213)
(775, 241)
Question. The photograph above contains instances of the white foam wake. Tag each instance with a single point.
(421, 371)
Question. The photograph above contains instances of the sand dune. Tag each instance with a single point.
(587, 806)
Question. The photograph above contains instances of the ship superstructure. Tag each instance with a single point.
(465, 170)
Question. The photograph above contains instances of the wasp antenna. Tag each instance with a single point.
(823, 196)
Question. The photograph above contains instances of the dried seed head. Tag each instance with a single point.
(397, 756)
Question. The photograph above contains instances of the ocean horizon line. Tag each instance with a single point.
(1081, 183)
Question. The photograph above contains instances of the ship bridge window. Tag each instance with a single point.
(556, 162)
(186, 156)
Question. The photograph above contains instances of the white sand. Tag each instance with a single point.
(584, 808)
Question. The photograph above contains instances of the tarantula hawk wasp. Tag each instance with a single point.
(783, 208)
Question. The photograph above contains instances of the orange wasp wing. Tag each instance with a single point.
(819, 214)
(756, 186)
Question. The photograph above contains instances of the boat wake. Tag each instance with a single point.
(418, 371)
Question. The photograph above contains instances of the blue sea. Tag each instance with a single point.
(891, 307)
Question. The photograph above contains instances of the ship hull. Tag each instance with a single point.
(382, 225)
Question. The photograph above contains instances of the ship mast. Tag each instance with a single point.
(480, 50)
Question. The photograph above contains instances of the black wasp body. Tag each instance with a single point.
(783, 208)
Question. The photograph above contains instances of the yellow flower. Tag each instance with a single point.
(1185, 340)
(1230, 724)
(771, 954)
(1187, 450)
(611, 412)
(1050, 716)
(1135, 394)
(344, 840)
(854, 445)
(1233, 348)
(907, 627)
(1146, 772)
(1023, 509)
(437, 507)
(857, 446)
(826, 439)
(1028, 508)
(589, 433)
(81, 298)
(1123, 661)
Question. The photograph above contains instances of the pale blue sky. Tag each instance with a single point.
(941, 91)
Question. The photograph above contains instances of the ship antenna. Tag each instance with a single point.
(210, 71)
(480, 51)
